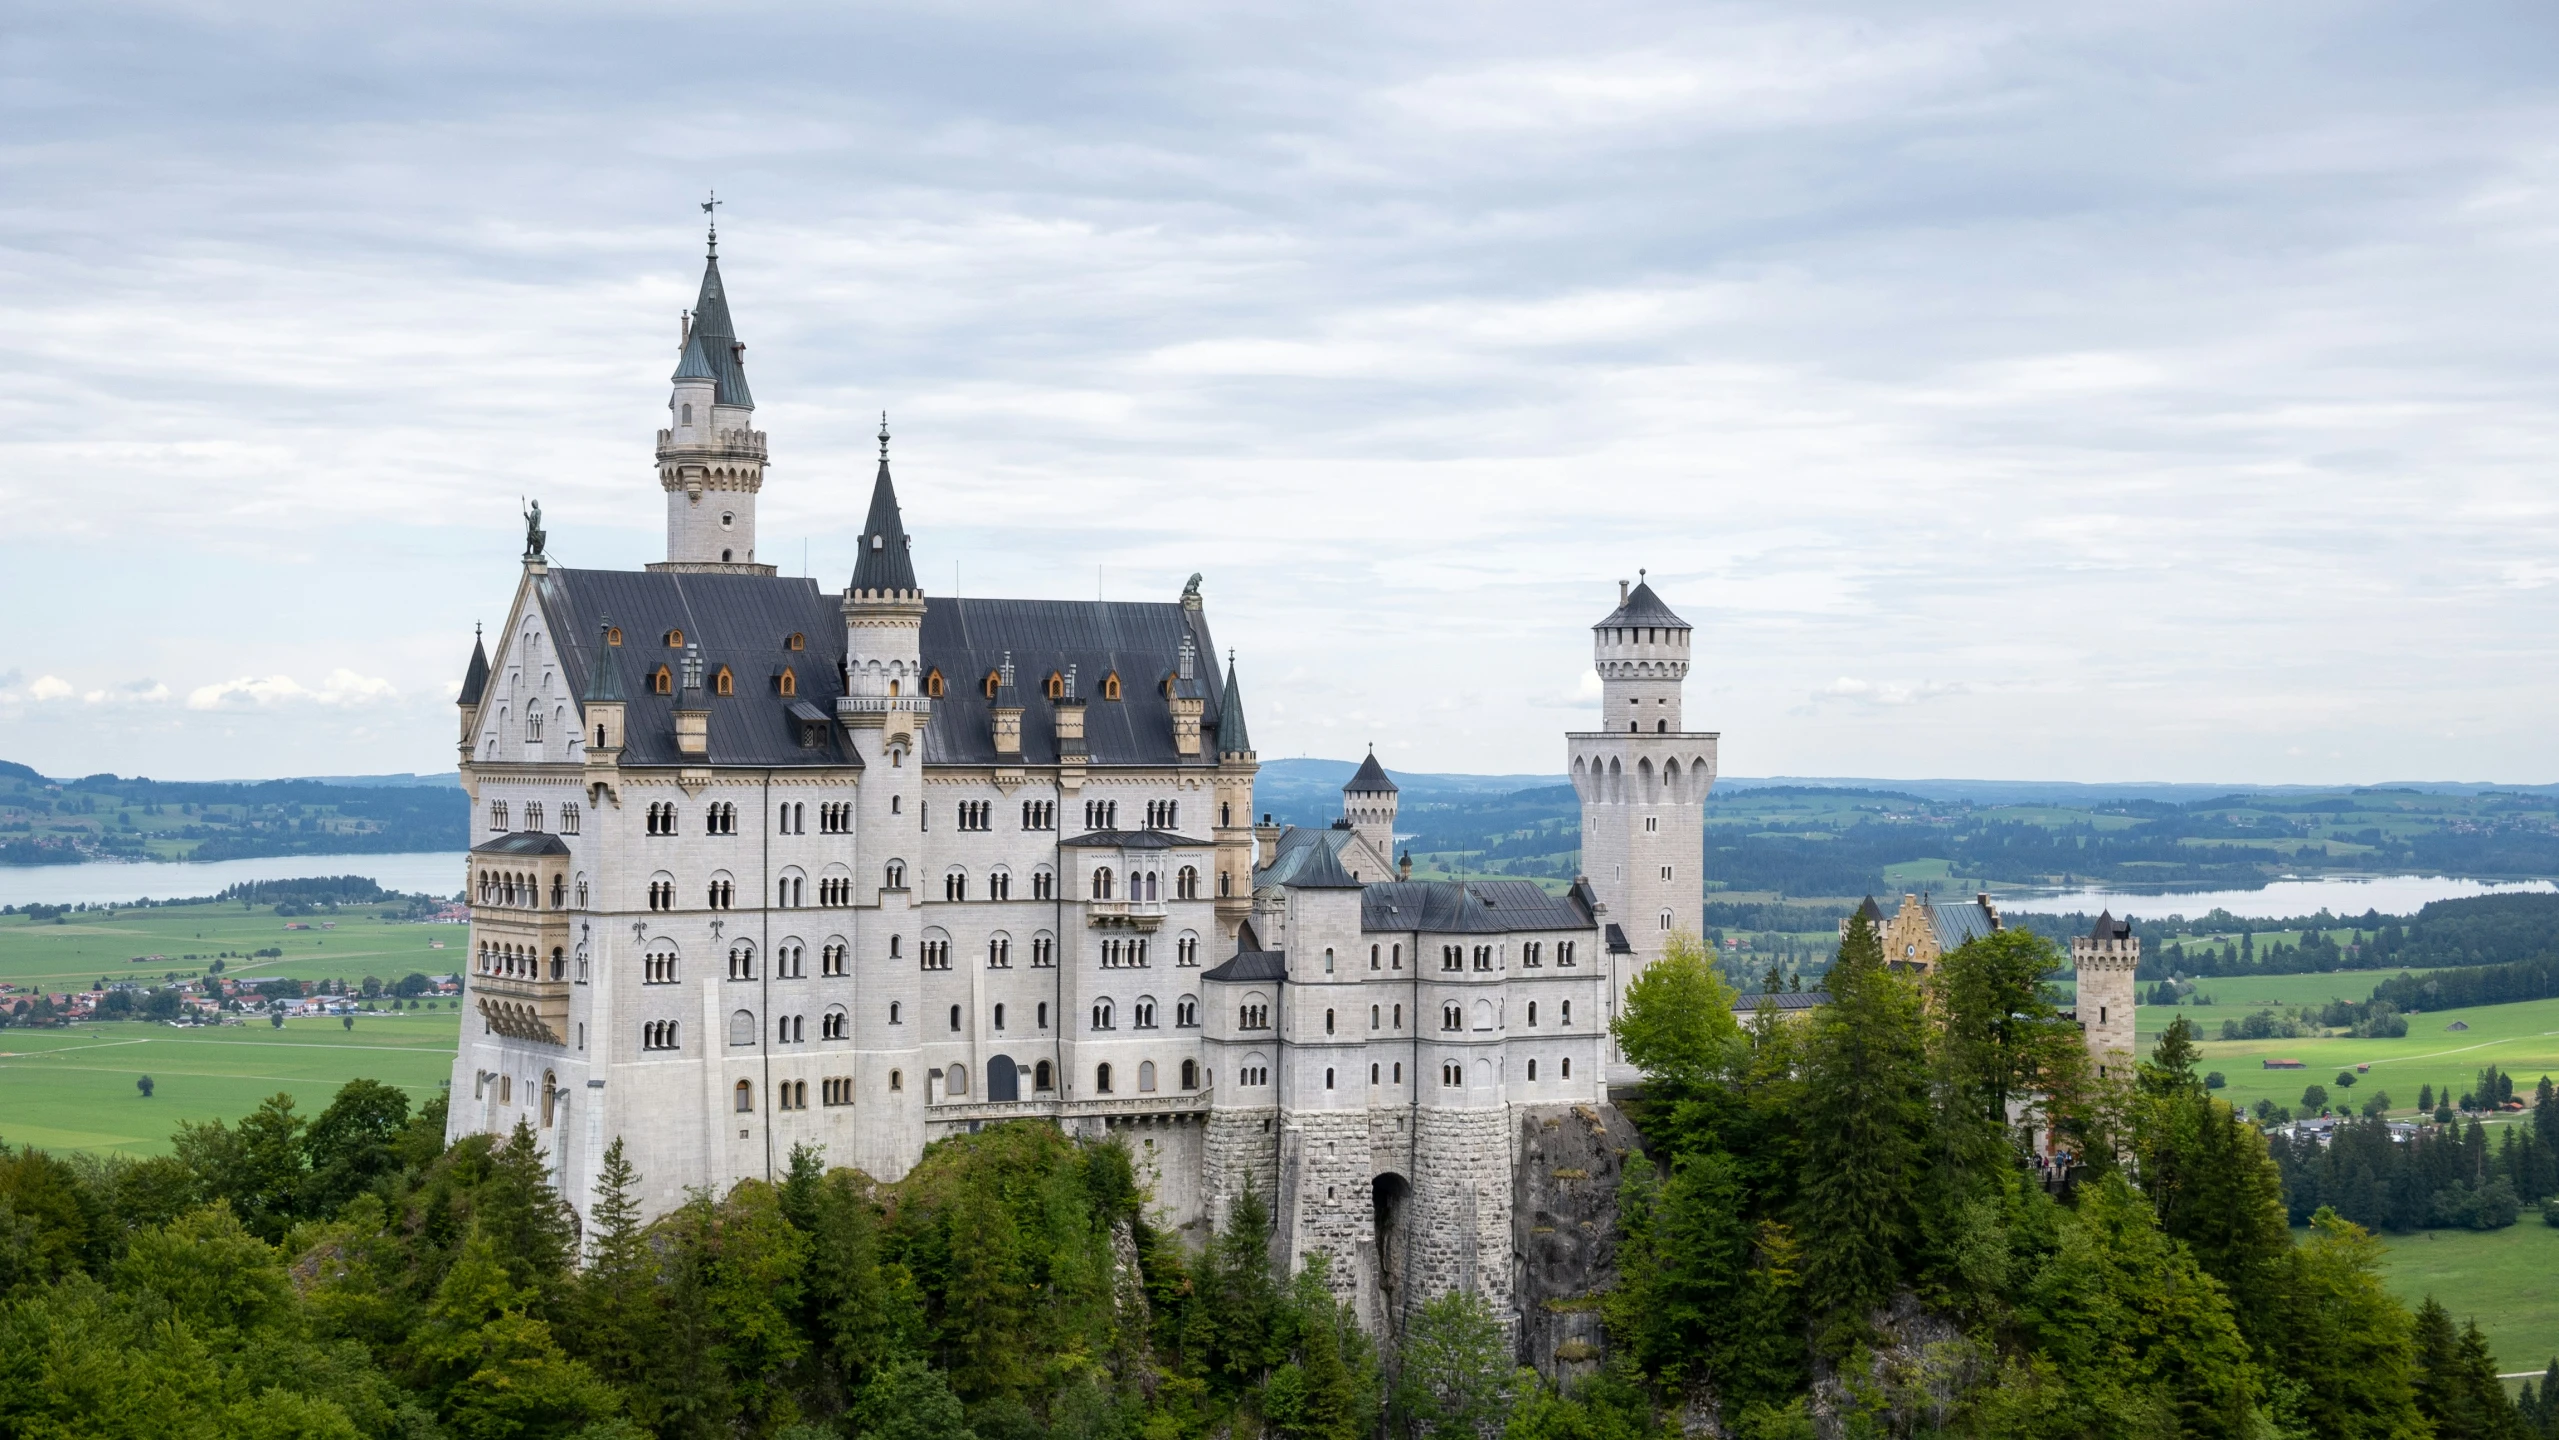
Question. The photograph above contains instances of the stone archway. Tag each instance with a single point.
(1391, 1198)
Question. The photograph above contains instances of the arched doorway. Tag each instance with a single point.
(1003, 1079)
(1391, 1196)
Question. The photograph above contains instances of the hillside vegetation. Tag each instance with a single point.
(56, 822)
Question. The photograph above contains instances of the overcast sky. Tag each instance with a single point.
(2099, 392)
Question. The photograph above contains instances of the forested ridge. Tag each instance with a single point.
(1839, 1231)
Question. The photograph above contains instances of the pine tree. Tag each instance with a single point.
(618, 1330)
(1865, 1123)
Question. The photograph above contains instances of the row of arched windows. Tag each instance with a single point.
(521, 890)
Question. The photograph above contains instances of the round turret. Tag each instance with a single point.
(1641, 652)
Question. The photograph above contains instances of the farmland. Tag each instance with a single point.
(2501, 1278)
(73, 1088)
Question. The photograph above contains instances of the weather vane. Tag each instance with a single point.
(709, 205)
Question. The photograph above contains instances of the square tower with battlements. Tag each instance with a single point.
(2106, 958)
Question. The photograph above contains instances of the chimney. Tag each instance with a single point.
(1070, 722)
(1007, 711)
(1621, 593)
(692, 710)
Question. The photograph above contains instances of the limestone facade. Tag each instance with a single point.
(760, 865)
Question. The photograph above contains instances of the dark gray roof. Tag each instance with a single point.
(743, 622)
(475, 678)
(1140, 641)
(1475, 907)
(604, 677)
(1643, 607)
(1783, 1000)
(1296, 849)
(2110, 928)
(1957, 924)
(1231, 739)
(711, 348)
(1617, 940)
(1322, 870)
(1266, 966)
(884, 563)
(1137, 840)
(523, 842)
(1873, 912)
(1370, 779)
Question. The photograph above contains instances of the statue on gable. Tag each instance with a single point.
(534, 535)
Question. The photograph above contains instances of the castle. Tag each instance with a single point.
(763, 866)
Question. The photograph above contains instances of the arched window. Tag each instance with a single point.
(675, 639)
(1102, 1079)
(1042, 1077)
(1190, 1074)
(742, 1028)
(894, 878)
(688, 414)
(612, 634)
(1102, 1015)
(955, 1081)
(1145, 1077)
(798, 641)
(955, 1019)
(1102, 882)
(1186, 883)
(1111, 686)
(662, 680)
(1056, 686)
(723, 683)
(933, 683)
(745, 1097)
(894, 1017)
(789, 683)
(550, 1097)
(897, 1080)
(993, 679)
(1532, 1069)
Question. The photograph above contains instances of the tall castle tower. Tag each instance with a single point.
(2106, 958)
(1369, 802)
(711, 456)
(1642, 778)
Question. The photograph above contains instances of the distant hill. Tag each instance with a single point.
(111, 817)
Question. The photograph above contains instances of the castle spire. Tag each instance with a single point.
(1231, 739)
(884, 564)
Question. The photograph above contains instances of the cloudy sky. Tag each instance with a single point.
(2095, 392)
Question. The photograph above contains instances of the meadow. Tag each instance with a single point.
(2501, 1278)
(2521, 1039)
(74, 1088)
(149, 944)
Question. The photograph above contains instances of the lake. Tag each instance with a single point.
(2340, 895)
(435, 872)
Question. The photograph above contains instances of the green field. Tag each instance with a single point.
(2521, 1039)
(2507, 1280)
(88, 946)
(73, 1089)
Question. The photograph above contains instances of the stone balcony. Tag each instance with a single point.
(1143, 915)
(523, 1009)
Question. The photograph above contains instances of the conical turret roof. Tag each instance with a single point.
(1231, 738)
(1643, 607)
(884, 565)
(475, 680)
(711, 347)
(1371, 779)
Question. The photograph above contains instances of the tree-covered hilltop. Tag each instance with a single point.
(1849, 1225)
(1843, 1231)
(53, 822)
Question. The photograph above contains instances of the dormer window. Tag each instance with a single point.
(612, 634)
(993, 678)
(663, 681)
(675, 639)
(723, 683)
(933, 684)
(788, 683)
(1111, 686)
(797, 641)
(1056, 686)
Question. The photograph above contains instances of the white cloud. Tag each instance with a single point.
(1886, 692)
(343, 687)
(50, 687)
